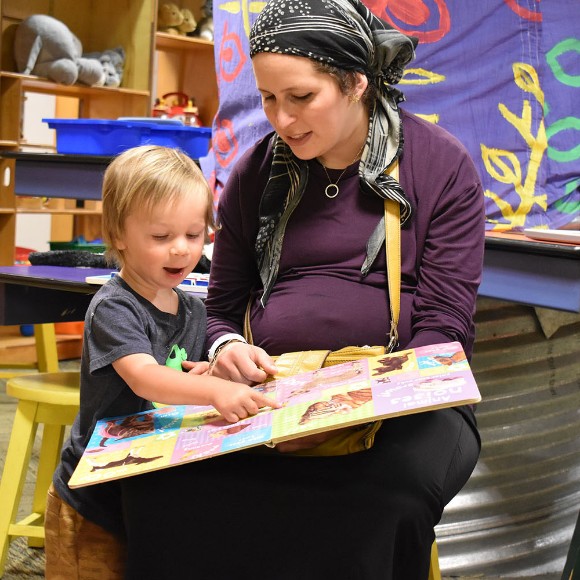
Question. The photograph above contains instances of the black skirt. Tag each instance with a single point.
(370, 515)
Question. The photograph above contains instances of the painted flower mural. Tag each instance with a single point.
(501, 75)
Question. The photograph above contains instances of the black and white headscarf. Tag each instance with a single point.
(347, 35)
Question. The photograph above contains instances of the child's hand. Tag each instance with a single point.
(236, 401)
(195, 368)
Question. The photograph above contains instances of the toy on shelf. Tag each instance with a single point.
(172, 19)
(188, 24)
(191, 113)
(46, 47)
(177, 106)
(169, 18)
(160, 109)
(204, 27)
(113, 61)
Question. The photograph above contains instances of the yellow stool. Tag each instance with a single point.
(46, 354)
(434, 571)
(50, 399)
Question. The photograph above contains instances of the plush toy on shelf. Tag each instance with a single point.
(169, 18)
(46, 47)
(189, 24)
(113, 62)
(172, 19)
(204, 28)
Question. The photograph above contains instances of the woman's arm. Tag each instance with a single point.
(234, 272)
(448, 231)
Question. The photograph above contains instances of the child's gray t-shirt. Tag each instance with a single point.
(119, 322)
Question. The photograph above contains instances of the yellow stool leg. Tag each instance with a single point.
(52, 437)
(434, 571)
(15, 469)
(46, 350)
(46, 354)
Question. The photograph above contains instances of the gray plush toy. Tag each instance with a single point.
(113, 61)
(46, 47)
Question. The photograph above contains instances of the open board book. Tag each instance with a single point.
(347, 394)
(194, 282)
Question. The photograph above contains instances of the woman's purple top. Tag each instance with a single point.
(320, 299)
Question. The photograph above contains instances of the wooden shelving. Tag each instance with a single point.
(156, 64)
(187, 65)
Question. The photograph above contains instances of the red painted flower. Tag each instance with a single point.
(524, 12)
(232, 57)
(409, 15)
(225, 143)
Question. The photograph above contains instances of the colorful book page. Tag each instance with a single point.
(347, 394)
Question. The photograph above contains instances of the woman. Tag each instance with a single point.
(301, 241)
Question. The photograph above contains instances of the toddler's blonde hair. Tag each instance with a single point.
(144, 177)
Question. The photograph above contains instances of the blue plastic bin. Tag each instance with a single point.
(193, 140)
(110, 137)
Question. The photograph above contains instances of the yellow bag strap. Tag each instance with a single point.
(393, 249)
(292, 363)
(247, 328)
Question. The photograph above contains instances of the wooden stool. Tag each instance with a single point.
(46, 354)
(50, 399)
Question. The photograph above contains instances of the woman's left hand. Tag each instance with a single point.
(308, 442)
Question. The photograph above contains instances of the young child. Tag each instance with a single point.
(157, 209)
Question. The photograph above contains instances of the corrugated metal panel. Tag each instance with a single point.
(516, 515)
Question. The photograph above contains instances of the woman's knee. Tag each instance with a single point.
(462, 464)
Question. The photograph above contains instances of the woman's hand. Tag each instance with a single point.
(243, 363)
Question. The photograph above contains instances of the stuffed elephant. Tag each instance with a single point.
(46, 47)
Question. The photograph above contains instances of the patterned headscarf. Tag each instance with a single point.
(347, 35)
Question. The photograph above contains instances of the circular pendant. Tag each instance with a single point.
(331, 190)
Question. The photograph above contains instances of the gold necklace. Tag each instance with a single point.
(332, 189)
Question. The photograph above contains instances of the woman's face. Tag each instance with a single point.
(308, 110)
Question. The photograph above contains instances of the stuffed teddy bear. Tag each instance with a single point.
(46, 47)
(113, 62)
(169, 18)
(189, 24)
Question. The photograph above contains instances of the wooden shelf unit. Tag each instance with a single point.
(187, 65)
(156, 63)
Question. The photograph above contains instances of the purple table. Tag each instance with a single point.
(40, 294)
(534, 273)
(521, 270)
(56, 175)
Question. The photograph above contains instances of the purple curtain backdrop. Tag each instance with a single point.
(501, 75)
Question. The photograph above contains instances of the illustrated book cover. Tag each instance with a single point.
(346, 394)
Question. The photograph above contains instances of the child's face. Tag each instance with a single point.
(162, 245)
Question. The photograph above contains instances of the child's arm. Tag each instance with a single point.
(162, 384)
(196, 368)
